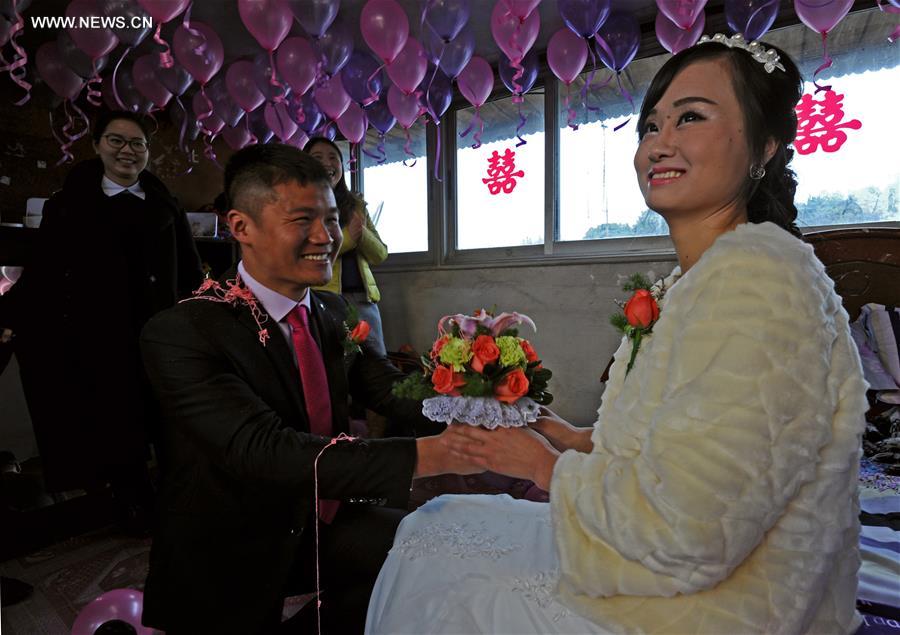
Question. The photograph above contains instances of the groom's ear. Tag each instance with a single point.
(239, 224)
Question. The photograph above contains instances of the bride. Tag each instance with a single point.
(716, 491)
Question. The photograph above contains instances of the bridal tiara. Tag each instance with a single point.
(768, 58)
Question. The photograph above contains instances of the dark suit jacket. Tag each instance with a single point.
(238, 484)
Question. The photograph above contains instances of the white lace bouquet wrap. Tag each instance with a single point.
(481, 411)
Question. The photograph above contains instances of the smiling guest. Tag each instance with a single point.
(253, 377)
(113, 249)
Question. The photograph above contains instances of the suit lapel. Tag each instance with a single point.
(328, 333)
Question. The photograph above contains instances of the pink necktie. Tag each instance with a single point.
(314, 383)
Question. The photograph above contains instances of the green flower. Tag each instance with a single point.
(511, 353)
(456, 352)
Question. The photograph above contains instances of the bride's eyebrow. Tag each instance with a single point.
(689, 100)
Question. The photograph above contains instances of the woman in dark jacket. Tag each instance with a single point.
(113, 249)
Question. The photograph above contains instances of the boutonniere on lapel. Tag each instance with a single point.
(639, 313)
(355, 332)
(235, 293)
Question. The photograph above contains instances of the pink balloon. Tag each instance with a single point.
(213, 123)
(236, 137)
(296, 63)
(59, 77)
(201, 56)
(515, 37)
(164, 10)
(267, 20)
(822, 15)
(682, 12)
(409, 67)
(299, 140)
(521, 9)
(144, 75)
(279, 121)
(675, 39)
(96, 42)
(566, 55)
(353, 123)
(384, 27)
(332, 98)
(404, 107)
(476, 81)
(119, 604)
(242, 87)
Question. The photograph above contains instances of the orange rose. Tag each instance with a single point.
(511, 387)
(530, 354)
(484, 351)
(641, 310)
(446, 382)
(438, 345)
(360, 332)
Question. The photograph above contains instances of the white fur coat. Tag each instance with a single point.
(720, 496)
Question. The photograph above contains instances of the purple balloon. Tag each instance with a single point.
(675, 39)
(267, 20)
(178, 114)
(95, 42)
(258, 126)
(305, 111)
(212, 122)
(164, 10)
(5, 30)
(451, 56)
(409, 67)
(334, 47)
(353, 123)
(438, 92)
(133, 14)
(237, 137)
(618, 40)
(315, 16)
(296, 63)
(404, 107)
(566, 55)
(144, 74)
(384, 27)
(332, 98)
(682, 12)
(529, 75)
(514, 35)
(75, 58)
(202, 54)
(59, 77)
(9, 8)
(242, 87)
(119, 604)
(175, 79)
(380, 115)
(279, 120)
(131, 99)
(223, 104)
(822, 15)
(751, 18)
(262, 75)
(445, 17)
(584, 17)
(476, 81)
(361, 77)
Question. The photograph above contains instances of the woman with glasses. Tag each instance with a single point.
(113, 249)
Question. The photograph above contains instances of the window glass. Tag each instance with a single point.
(395, 183)
(500, 186)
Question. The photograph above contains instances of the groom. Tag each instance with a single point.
(253, 379)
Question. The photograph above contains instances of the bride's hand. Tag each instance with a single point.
(562, 434)
(517, 452)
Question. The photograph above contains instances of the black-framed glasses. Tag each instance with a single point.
(117, 143)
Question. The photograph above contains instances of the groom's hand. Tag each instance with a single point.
(432, 458)
(562, 434)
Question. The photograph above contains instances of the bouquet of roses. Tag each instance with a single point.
(480, 371)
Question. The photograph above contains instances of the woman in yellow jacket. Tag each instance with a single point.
(362, 246)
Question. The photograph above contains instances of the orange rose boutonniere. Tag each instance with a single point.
(639, 313)
(355, 332)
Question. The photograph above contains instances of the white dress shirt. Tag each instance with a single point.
(111, 188)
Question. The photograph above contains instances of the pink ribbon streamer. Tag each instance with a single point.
(476, 121)
(93, 91)
(208, 150)
(165, 56)
(373, 96)
(522, 119)
(71, 137)
(895, 34)
(407, 147)
(115, 75)
(253, 138)
(206, 114)
(381, 157)
(589, 84)
(570, 112)
(273, 81)
(624, 92)
(827, 63)
(20, 59)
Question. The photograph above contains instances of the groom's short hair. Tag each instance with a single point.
(252, 173)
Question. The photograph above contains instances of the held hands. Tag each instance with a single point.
(355, 226)
(562, 434)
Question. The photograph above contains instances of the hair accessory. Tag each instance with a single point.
(757, 172)
(768, 58)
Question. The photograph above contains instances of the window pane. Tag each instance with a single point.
(396, 190)
(500, 187)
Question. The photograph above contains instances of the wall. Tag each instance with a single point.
(570, 304)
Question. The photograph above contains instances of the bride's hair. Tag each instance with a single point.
(767, 101)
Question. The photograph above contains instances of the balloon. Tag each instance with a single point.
(334, 47)
(446, 17)
(223, 105)
(267, 20)
(59, 77)
(750, 18)
(125, 605)
(618, 40)
(315, 16)
(584, 17)
(408, 68)
(296, 63)
(75, 58)
(361, 78)
(384, 27)
(144, 75)
(96, 42)
(476, 81)
(213, 123)
(305, 111)
(438, 91)
(332, 98)
(258, 126)
(299, 140)
(520, 9)
(175, 79)
(353, 123)
(566, 55)
(201, 56)
(262, 75)
(822, 15)
(514, 37)
(682, 12)
(5, 30)
(451, 56)
(9, 8)
(164, 10)
(177, 115)
(526, 81)
(133, 14)
(379, 115)
(131, 99)
(279, 121)
(242, 87)
(404, 107)
(675, 39)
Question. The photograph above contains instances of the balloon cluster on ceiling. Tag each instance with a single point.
(315, 85)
